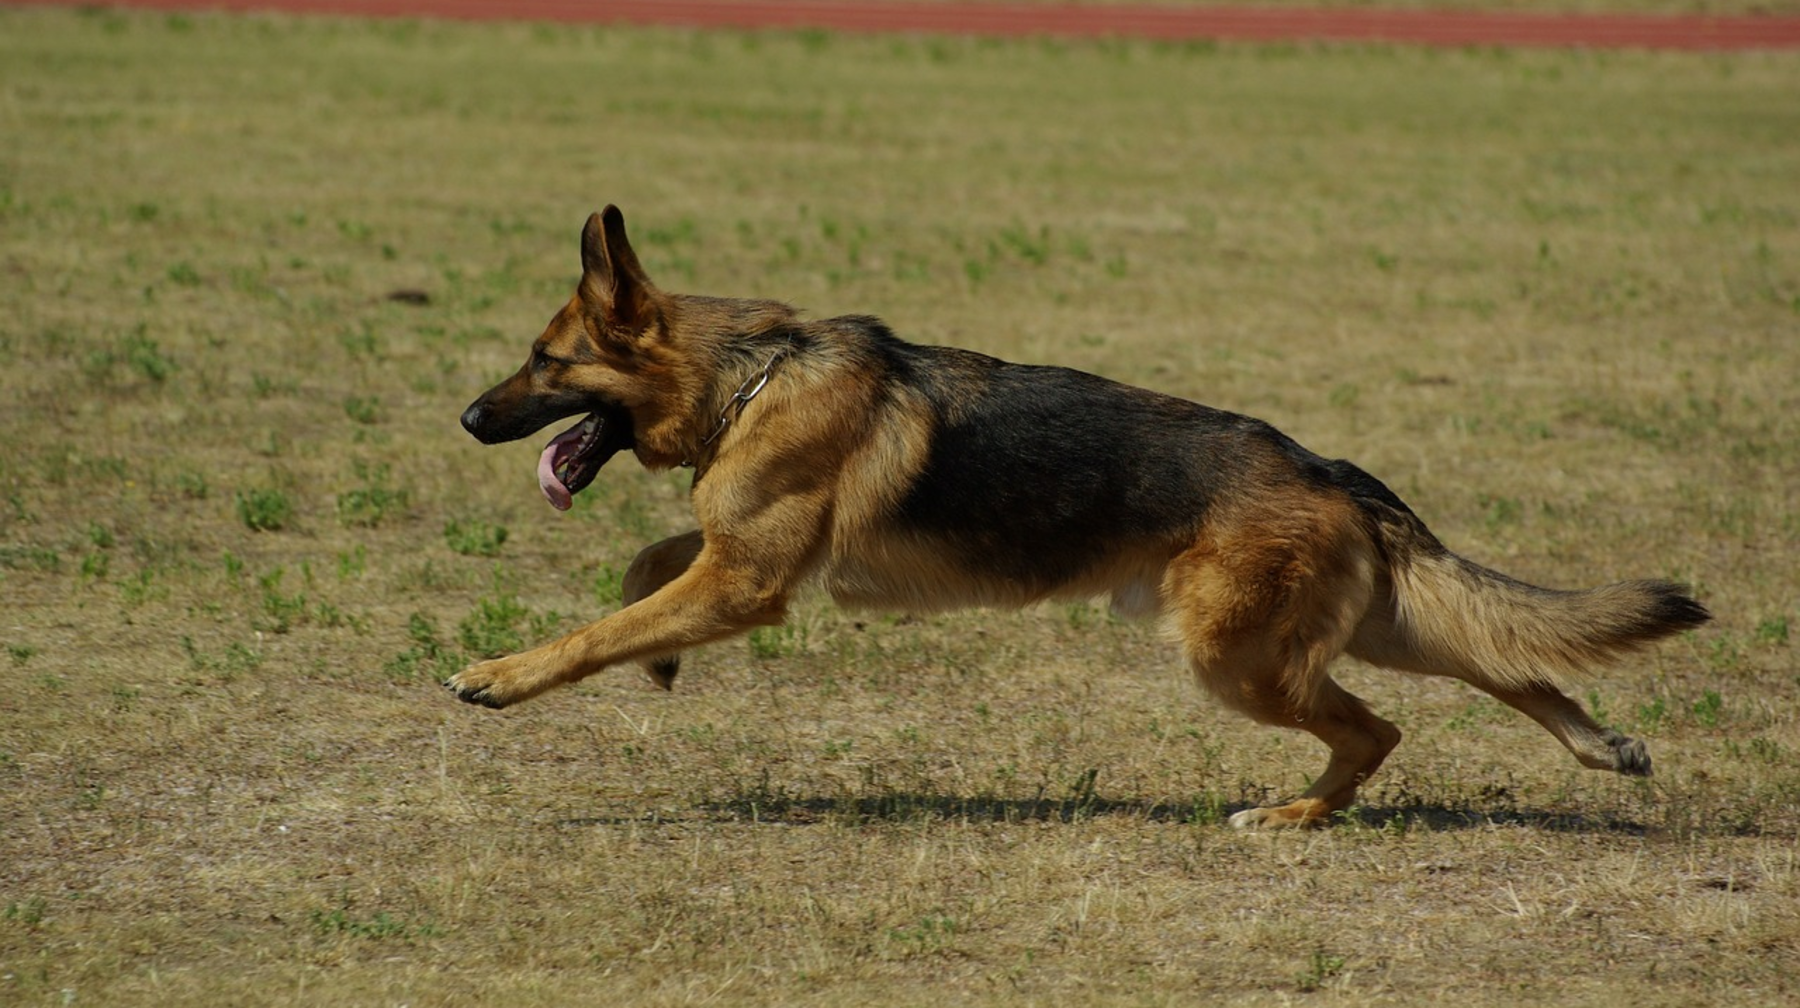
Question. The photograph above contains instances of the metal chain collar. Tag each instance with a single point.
(746, 392)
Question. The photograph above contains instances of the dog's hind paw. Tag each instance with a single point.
(1630, 756)
(1306, 813)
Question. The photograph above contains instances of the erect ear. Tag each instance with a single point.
(613, 285)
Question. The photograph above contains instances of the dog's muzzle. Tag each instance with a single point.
(491, 427)
(473, 417)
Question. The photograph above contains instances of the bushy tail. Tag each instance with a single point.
(1451, 615)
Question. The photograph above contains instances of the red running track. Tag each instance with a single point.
(1418, 27)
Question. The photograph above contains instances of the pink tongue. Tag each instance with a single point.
(554, 492)
(557, 451)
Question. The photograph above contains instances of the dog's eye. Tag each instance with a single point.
(541, 360)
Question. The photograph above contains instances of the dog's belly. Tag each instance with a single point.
(855, 585)
(923, 574)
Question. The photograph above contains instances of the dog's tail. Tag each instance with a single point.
(1449, 615)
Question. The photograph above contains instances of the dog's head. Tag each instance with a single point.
(592, 359)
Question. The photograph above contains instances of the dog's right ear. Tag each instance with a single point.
(613, 285)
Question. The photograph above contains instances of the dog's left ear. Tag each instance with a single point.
(613, 285)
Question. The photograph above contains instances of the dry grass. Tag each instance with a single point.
(1552, 298)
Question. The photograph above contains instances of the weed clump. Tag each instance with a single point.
(265, 510)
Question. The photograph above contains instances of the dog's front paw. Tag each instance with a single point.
(487, 684)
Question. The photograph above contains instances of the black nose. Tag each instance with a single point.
(473, 417)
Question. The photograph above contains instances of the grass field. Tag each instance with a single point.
(1552, 299)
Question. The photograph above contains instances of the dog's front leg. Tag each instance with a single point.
(704, 604)
(656, 565)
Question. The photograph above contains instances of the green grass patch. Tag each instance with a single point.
(265, 509)
(474, 537)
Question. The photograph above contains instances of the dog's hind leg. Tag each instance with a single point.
(1261, 612)
(1359, 742)
(1248, 677)
(1379, 642)
(1594, 746)
(656, 565)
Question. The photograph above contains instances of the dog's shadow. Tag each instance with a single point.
(906, 807)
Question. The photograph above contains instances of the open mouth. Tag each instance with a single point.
(573, 458)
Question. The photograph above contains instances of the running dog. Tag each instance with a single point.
(922, 478)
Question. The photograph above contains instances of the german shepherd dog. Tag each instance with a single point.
(922, 478)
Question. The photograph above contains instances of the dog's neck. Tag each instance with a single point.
(734, 406)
